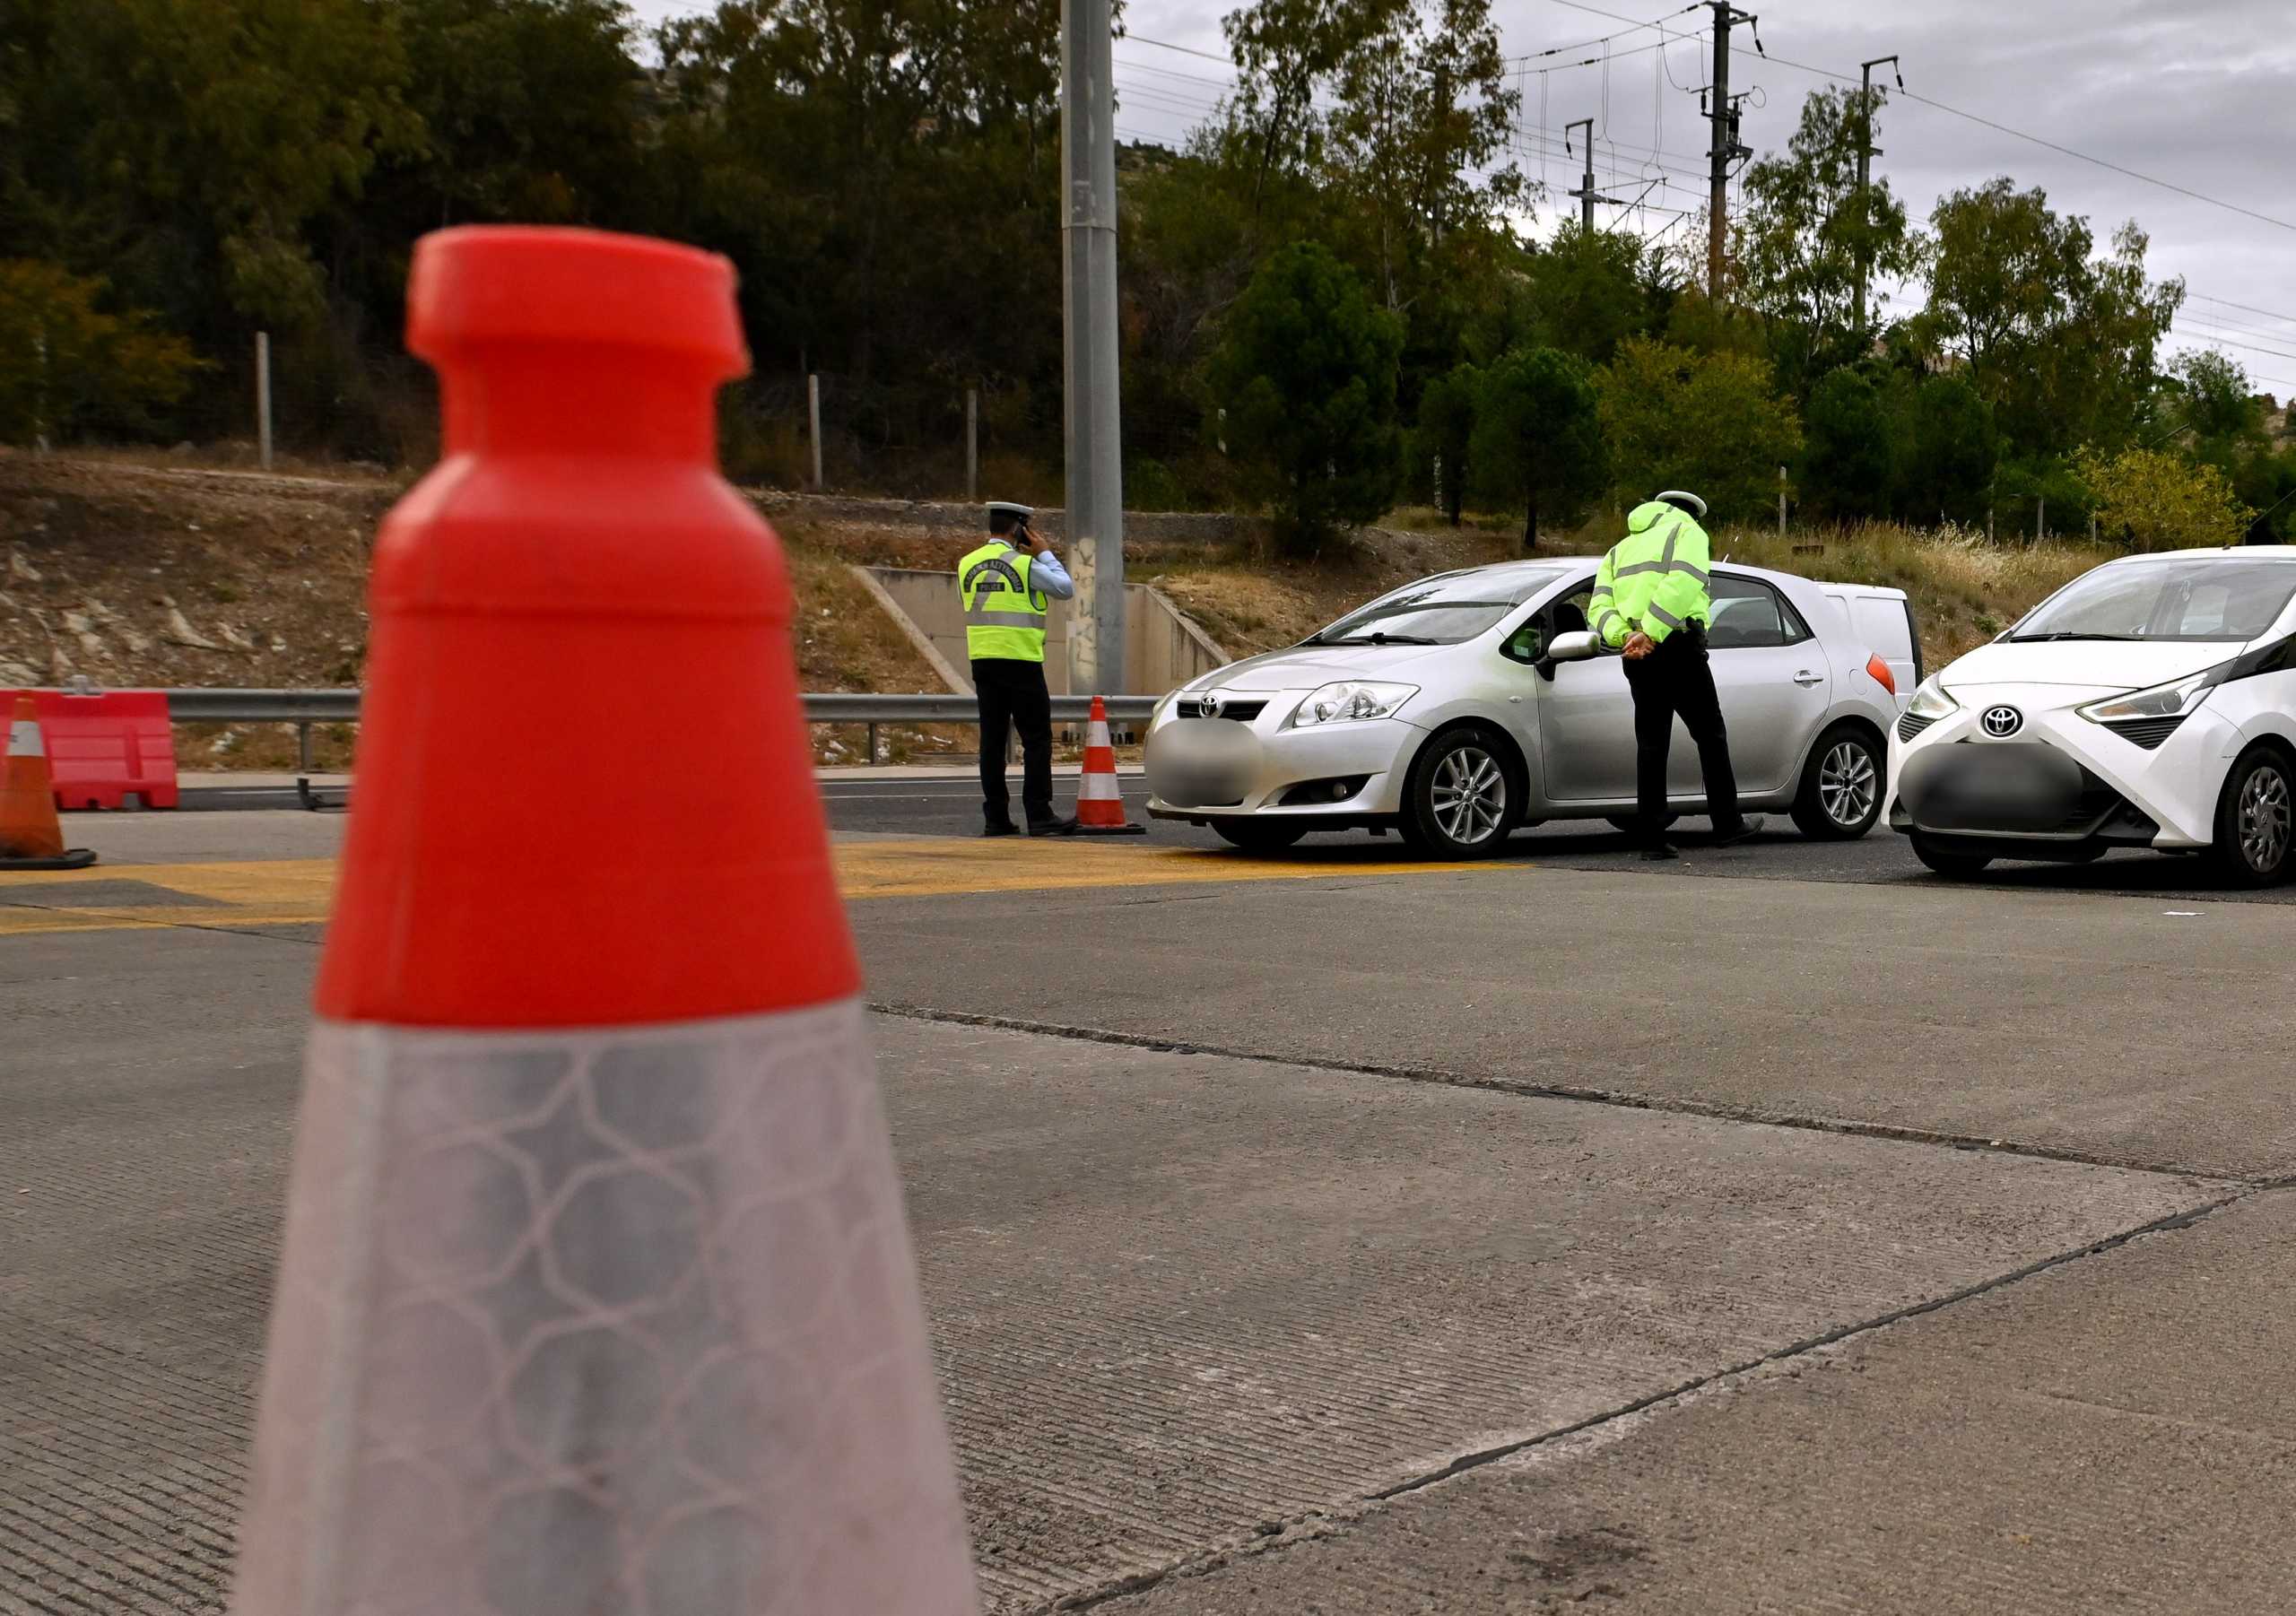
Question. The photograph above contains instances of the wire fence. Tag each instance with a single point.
(320, 401)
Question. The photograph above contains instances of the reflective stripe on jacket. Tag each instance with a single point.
(1003, 617)
(1654, 579)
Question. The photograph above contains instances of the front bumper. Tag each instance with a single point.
(1202, 768)
(2061, 785)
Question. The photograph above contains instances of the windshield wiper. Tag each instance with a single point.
(1379, 637)
(2020, 639)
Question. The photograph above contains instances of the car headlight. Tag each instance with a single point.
(1164, 703)
(1351, 699)
(2161, 701)
(1931, 702)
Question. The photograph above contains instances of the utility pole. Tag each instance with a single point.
(1094, 443)
(1866, 151)
(1585, 192)
(1723, 112)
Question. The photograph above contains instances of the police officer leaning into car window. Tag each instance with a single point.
(1651, 602)
(1007, 586)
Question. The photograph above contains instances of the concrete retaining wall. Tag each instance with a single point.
(1162, 648)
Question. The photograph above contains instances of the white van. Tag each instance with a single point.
(1882, 619)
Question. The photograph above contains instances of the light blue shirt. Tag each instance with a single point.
(1049, 577)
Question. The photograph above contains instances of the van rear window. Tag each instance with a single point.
(1884, 627)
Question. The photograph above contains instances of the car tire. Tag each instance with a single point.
(2255, 818)
(1258, 836)
(1953, 865)
(1463, 796)
(1840, 799)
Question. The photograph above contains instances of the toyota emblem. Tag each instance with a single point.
(1208, 706)
(2001, 722)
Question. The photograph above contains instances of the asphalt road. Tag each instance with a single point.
(1555, 1232)
(951, 807)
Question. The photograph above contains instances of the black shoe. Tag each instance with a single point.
(1000, 827)
(1744, 830)
(1659, 853)
(1066, 827)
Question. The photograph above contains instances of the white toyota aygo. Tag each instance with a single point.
(2149, 703)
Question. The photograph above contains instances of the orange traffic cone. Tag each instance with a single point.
(31, 837)
(597, 1293)
(1100, 801)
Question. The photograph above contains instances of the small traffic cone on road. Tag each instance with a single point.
(596, 1293)
(1100, 801)
(31, 837)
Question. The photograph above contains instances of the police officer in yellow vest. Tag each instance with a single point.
(1007, 586)
(1651, 602)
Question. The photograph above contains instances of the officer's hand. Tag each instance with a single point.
(1037, 543)
(1640, 644)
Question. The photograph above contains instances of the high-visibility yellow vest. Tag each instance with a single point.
(1654, 579)
(1003, 617)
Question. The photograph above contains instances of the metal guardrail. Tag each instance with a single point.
(341, 706)
(303, 709)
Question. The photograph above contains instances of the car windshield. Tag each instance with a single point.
(1442, 611)
(2189, 598)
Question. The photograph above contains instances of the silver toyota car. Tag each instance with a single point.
(1460, 707)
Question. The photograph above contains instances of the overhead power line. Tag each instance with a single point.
(2166, 185)
(1635, 26)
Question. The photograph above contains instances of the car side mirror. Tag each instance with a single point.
(1578, 646)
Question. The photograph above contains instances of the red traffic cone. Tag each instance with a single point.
(32, 836)
(1100, 801)
(597, 1293)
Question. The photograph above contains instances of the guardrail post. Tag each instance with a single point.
(303, 748)
(872, 743)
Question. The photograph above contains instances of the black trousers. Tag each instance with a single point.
(1676, 679)
(1013, 693)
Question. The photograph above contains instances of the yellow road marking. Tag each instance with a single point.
(298, 891)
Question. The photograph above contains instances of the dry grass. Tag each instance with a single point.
(1964, 590)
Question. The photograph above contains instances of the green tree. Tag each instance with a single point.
(1806, 230)
(67, 366)
(1538, 436)
(2152, 500)
(2062, 346)
(1419, 135)
(1305, 371)
(1590, 290)
(1954, 450)
(1709, 423)
(1447, 417)
(187, 148)
(1847, 464)
(1286, 52)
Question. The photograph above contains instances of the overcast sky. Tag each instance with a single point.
(2195, 93)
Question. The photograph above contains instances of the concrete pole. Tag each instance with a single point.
(813, 425)
(972, 445)
(1866, 151)
(1717, 157)
(2040, 516)
(1586, 191)
(1094, 440)
(1781, 502)
(263, 397)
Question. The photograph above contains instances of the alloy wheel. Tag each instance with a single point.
(1848, 783)
(1468, 795)
(2265, 821)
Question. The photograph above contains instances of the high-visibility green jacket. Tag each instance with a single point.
(1654, 580)
(1003, 617)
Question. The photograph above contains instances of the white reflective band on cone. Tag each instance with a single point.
(1098, 788)
(599, 1322)
(24, 740)
(1098, 734)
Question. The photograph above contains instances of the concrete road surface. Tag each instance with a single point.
(1323, 1234)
